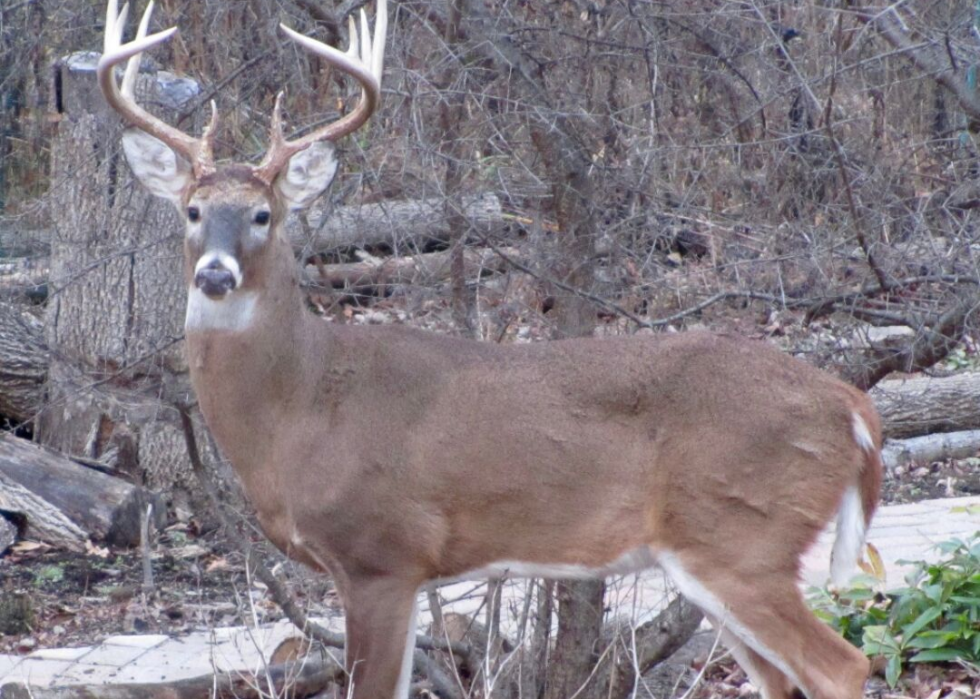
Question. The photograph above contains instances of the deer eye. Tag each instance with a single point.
(262, 217)
(193, 214)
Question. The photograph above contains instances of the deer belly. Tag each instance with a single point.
(631, 561)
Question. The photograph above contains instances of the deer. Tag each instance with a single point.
(390, 457)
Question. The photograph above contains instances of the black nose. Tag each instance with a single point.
(214, 280)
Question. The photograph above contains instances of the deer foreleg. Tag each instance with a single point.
(381, 616)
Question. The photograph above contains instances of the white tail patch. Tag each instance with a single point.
(694, 590)
(850, 537)
(232, 314)
(862, 435)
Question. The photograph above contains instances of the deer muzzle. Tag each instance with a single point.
(217, 275)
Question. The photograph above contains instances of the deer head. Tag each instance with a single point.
(234, 213)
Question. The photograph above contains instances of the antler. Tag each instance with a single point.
(366, 69)
(198, 151)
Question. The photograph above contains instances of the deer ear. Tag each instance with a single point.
(308, 175)
(160, 170)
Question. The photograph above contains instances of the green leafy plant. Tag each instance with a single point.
(49, 574)
(935, 619)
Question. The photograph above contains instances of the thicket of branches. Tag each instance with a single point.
(815, 155)
(756, 165)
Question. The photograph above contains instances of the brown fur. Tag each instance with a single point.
(391, 456)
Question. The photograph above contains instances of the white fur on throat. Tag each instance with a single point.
(233, 313)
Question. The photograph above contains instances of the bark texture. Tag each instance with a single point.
(23, 363)
(430, 268)
(116, 310)
(933, 447)
(297, 680)
(66, 504)
(923, 405)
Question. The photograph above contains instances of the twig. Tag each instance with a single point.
(931, 346)
(145, 548)
(17, 6)
(947, 76)
(856, 225)
(206, 97)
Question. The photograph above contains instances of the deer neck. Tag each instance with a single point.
(245, 354)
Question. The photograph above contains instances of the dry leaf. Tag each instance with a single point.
(220, 563)
(28, 546)
(874, 566)
(189, 551)
(97, 551)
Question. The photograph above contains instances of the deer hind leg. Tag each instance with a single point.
(767, 677)
(767, 614)
(380, 616)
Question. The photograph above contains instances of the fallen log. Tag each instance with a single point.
(394, 223)
(22, 277)
(933, 447)
(19, 240)
(66, 504)
(295, 679)
(8, 534)
(424, 268)
(925, 405)
(23, 363)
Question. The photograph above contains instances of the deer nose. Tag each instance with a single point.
(214, 279)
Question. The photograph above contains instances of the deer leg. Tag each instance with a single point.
(380, 615)
(767, 614)
(771, 682)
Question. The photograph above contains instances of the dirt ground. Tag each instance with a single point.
(67, 599)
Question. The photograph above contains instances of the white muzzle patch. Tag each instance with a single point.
(223, 259)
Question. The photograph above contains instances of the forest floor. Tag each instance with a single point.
(79, 599)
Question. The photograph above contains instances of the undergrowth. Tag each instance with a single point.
(936, 618)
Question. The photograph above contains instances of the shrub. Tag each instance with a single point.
(935, 619)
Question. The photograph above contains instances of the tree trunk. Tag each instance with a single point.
(115, 314)
(452, 146)
(577, 648)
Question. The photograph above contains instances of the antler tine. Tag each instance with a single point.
(197, 151)
(353, 51)
(128, 89)
(363, 60)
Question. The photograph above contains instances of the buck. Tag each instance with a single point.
(389, 457)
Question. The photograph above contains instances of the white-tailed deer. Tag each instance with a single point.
(391, 457)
